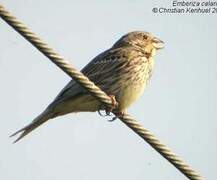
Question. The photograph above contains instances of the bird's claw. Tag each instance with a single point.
(117, 115)
(103, 115)
(113, 119)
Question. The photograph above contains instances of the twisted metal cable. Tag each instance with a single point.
(167, 153)
(96, 92)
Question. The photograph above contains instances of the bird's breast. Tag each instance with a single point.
(134, 85)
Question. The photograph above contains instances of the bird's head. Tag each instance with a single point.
(143, 40)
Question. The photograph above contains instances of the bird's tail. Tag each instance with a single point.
(39, 120)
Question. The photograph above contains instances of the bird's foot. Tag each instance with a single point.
(108, 110)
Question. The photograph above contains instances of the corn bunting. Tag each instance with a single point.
(123, 71)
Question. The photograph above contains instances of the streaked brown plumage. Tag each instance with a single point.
(123, 71)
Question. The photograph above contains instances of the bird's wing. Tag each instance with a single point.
(99, 70)
(73, 88)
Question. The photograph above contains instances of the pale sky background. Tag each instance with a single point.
(179, 106)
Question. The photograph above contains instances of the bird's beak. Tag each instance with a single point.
(157, 43)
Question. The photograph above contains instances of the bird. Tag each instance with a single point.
(123, 71)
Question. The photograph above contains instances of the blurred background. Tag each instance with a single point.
(179, 105)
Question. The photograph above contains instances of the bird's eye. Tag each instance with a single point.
(145, 37)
